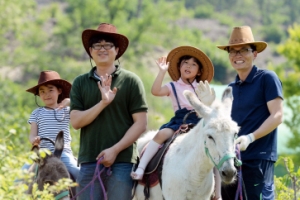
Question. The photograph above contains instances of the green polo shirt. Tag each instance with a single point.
(112, 123)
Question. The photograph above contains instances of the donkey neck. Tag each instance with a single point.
(196, 158)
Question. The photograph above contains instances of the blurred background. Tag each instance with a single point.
(41, 35)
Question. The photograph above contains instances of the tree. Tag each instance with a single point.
(289, 73)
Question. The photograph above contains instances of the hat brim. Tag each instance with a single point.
(121, 40)
(65, 86)
(260, 45)
(175, 54)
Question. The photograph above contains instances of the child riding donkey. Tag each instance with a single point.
(187, 66)
(48, 120)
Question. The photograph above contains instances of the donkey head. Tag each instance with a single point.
(218, 133)
(50, 167)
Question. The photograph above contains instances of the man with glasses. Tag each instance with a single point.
(109, 105)
(257, 108)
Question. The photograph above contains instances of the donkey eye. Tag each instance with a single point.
(211, 138)
(235, 135)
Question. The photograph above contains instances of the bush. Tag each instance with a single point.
(203, 11)
(272, 33)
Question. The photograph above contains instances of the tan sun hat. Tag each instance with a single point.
(175, 55)
(106, 29)
(52, 77)
(243, 35)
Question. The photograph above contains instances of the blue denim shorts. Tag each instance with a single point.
(177, 120)
(117, 182)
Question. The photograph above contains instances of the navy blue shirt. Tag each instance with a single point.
(250, 110)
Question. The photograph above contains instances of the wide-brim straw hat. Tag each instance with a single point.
(120, 40)
(175, 54)
(53, 78)
(243, 35)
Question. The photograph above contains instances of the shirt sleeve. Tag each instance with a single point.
(33, 117)
(137, 96)
(272, 86)
(75, 96)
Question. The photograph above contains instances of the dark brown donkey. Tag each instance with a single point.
(50, 169)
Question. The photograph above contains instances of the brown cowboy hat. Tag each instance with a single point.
(174, 56)
(106, 29)
(243, 35)
(52, 77)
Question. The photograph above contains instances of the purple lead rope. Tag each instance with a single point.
(97, 174)
(239, 188)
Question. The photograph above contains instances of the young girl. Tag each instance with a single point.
(54, 116)
(187, 66)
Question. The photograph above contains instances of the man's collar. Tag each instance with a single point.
(115, 73)
(249, 77)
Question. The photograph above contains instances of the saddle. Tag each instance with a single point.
(153, 171)
(154, 162)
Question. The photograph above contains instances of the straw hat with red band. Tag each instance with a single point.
(120, 40)
(243, 35)
(174, 56)
(53, 78)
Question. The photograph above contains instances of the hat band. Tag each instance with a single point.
(237, 41)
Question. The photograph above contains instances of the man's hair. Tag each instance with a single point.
(253, 47)
(98, 38)
(182, 58)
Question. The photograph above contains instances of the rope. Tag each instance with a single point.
(97, 174)
(239, 191)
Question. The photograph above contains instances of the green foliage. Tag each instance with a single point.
(37, 37)
(272, 33)
(290, 77)
(287, 186)
(204, 11)
(13, 180)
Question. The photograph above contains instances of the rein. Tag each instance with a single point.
(239, 192)
(97, 174)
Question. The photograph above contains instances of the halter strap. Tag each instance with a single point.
(175, 93)
(225, 158)
(62, 194)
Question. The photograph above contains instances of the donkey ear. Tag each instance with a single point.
(201, 109)
(227, 98)
(59, 144)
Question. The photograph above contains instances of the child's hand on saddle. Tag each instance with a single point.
(161, 63)
(206, 94)
(36, 141)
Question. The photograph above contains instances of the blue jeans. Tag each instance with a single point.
(71, 164)
(118, 184)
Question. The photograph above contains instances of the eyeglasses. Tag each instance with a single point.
(242, 52)
(105, 46)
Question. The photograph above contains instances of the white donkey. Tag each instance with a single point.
(188, 165)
